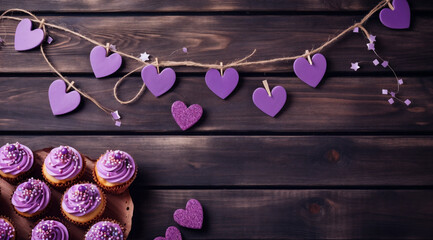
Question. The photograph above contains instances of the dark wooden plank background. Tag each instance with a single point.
(338, 162)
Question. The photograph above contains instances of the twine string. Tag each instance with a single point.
(168, 63)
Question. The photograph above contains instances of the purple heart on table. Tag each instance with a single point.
(222, 86)
(270, 105)
(399, 18)
(172, 233)
(186, 117)
(158, 84)
(60, 101)
(102, 65)
(310, 74)
(25, 37)
(191, 216)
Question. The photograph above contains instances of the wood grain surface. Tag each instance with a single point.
(338, 162)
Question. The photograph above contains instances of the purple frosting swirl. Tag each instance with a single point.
(81, 199)
(31, 196)
(105, 230)
(116, 166)
(50, 230)
(15, 158)
(63, 162)
(7, 231)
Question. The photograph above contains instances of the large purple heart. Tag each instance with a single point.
(270, 105)
(172, 233)
(399, 18)
(222, 86)
(310, 74)
(60, 101)
(186, 117)
(191, 217)
(158, 84)
(25, 37)
(102, 65)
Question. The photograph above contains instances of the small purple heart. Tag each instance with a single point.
(399, 18)
(310, 74)
(60, 101)
(191, 217)
(158, 84)
(270, 105)
(172, 233)
(222, 86)
(102, 65)
(186, 117)
(25, 37)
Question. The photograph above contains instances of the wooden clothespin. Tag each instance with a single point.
(390, 5)
(107, 47)
(308, 57)
(221, 68)
(265, 83)
(157, 65)
(70, 86)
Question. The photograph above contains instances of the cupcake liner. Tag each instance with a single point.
(12, 223)
(36, 214)
(47, 218)
(118, 189)
(67, 183)
(104, 205)
(122, 227)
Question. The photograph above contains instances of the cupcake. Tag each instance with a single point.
(83, 203)
(105, 230)
(62, 166)
(115, 171)
(15, 160)
(31, 198)
(7, 230)
(50, 229)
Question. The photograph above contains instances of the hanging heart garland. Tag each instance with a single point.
(103, 65)
(158, 83)
(397, 16)
(62, 102)
(184, 116)
(222, 84)
(310, 71)
(25, 37)
(269, 102)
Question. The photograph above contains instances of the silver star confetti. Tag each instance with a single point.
(144, 57)
(355, 66)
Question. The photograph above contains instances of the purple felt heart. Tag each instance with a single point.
(399, 18)
(310, 74)
(172, 233)
(186, 117)
(270, 105)
(25, 37)
(60, 101)
(191, 217)
(222, 86)
(158, 84)
(102, 65)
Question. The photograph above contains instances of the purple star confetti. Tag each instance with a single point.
(355, 66)
(118, 123)
(356, 30)
(115, 115)
(391, 101)
(407, 102)
(392, 94)
(185, 50)
(113, 47)
(385, 64)
(400, 81)
(376, 62)
(50, 40)
(372, 38)
(370, 46)
(385, 91)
